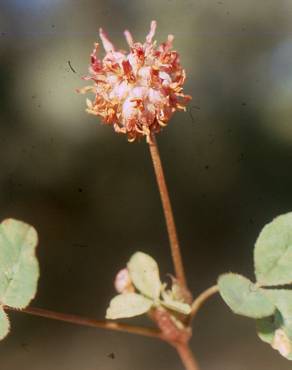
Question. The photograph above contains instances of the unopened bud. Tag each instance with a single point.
(123, 282)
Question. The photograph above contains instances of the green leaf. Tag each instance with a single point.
(244, 297)
(4, 324)
(19, 269)
(273, 252)
(144, 274)
(175, 305)
(128, 305)
(282, 299)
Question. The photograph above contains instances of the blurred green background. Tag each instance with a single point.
(92, 196)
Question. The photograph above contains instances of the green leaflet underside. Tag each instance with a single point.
(128, 305)
(144, 273)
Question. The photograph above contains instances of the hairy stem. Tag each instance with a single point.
(202, 298)
(187, 357)
(74, 319)
(171, 229)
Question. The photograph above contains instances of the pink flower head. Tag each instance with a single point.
(137, 92)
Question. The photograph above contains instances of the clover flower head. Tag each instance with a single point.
(138, 92)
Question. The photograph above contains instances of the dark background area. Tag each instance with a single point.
(92, 196)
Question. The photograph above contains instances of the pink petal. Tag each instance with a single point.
(129, 38)
(169, 41)
(108, 46)
(151, 33)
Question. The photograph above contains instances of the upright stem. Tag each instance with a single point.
(187, 357)
(171, 229)
(183, 349)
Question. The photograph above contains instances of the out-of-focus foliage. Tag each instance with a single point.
(19, 270)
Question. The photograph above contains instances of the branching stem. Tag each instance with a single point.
(182, 349)
(202, 298)
(74, 319)
(171, 229)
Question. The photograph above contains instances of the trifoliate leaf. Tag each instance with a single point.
(175, 305)
(128, 305)
(273, 252)
(19, 270)
(4, 324)
(144, 274)
(244, 297)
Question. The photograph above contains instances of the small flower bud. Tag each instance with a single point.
(123, 282)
